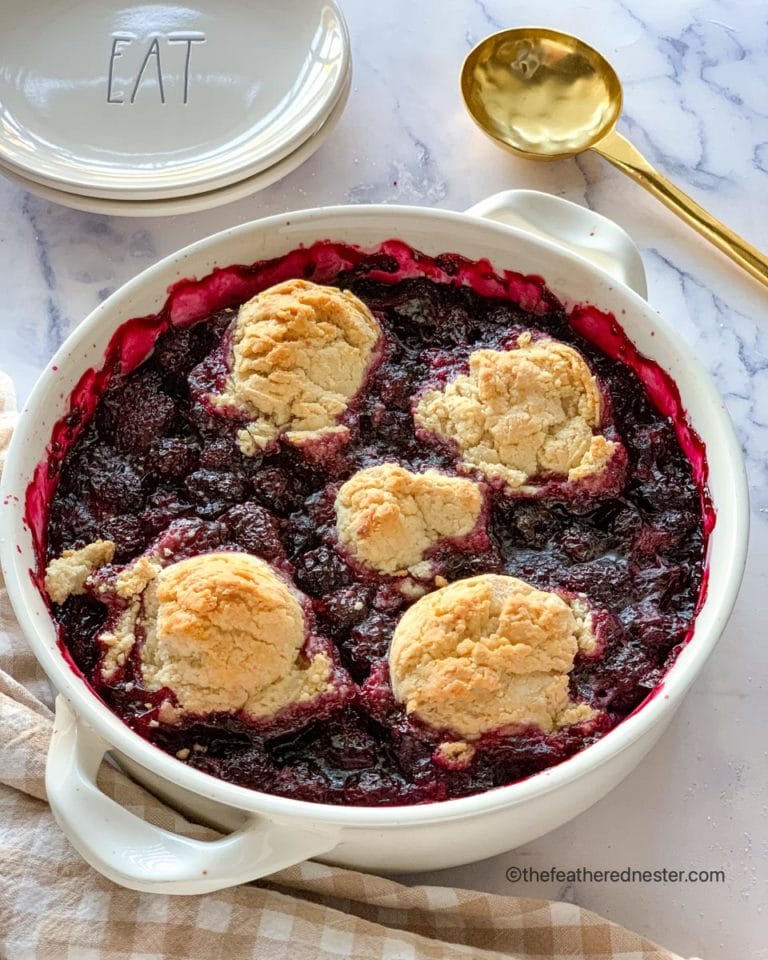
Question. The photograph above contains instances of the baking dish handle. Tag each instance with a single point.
(141, 856)
(580, 230)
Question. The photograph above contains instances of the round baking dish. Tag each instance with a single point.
(584, 259)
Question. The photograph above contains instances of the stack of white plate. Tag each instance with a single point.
(155, 108)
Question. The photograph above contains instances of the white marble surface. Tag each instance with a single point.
(697, 103)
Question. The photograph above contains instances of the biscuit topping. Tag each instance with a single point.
(522, 412)
(226, 628)
(221, 630)
(389, 517)
(66, 575)
(489, 652)
(300, 354)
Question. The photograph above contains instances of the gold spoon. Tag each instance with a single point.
(546, 95)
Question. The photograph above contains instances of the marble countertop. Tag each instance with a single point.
(696, 101)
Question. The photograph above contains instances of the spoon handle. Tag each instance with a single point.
(622, 154)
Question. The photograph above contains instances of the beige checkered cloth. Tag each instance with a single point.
(54, 907)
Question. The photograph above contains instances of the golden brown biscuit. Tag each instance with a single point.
(489, 652)
(221, 630)
(522, 412)
(388, 517)
(300, 354)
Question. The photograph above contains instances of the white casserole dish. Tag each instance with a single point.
(586, 259)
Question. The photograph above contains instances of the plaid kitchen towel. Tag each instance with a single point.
(53, 906)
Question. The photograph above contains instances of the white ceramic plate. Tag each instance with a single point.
(125, 99)
(195, 202)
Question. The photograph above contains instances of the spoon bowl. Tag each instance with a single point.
(546, 95)
(541, 93)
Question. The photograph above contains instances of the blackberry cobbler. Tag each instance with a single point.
(372, 527)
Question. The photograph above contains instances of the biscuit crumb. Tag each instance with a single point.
(118, 642)
(412, 589)
(388, 517)
(66, 575)
(585, 633)
(133, 579)
(130, 584)
(456, 753)
(300, 353)
(522, 413)
(486, 653)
